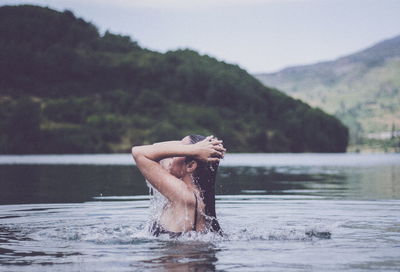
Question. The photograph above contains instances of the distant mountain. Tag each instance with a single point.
(64, 88)
(361, 89)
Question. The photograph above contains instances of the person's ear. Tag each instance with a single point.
(191, 166)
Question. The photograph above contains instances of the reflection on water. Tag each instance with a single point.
(179, 256)
(79, 183)
(67, 183)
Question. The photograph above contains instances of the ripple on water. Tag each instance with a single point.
(113, 236)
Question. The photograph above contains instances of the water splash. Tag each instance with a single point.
(280, 233)
(157, 204)
(126, 234)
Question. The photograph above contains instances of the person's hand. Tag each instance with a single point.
(210, 149)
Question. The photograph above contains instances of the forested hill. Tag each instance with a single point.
(362, 89)
(64, 88)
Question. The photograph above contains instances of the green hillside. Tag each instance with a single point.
(362, 89)
(67, 89)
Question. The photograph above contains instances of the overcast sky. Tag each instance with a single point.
(258, 35)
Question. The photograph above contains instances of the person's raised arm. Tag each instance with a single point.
(162, 150)
(148, 156)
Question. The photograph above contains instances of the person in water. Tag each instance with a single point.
(184, 172)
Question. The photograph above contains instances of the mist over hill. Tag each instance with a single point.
(361, 89)
(64, 88)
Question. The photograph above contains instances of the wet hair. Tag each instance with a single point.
(204, 178)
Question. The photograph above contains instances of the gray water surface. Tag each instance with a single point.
(276, 211)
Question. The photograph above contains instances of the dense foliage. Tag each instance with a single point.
(67, 89)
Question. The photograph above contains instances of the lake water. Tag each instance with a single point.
(280, 212)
